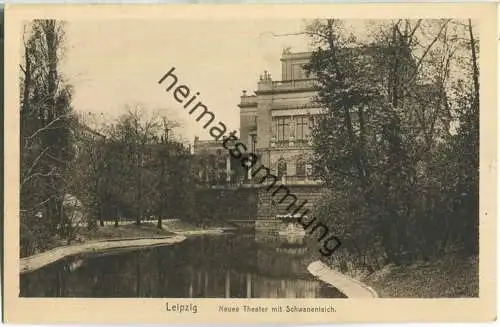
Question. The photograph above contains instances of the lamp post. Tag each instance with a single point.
(253, 136)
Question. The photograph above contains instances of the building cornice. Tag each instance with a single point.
(281, 147)
(247, 105)
(295, 56)
(286, 91)
(288, 86)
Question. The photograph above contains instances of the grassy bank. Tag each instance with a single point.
(109, 237)
(37, 261)
(448, 277)
(103, 233)
(123, 232)
(146, 230)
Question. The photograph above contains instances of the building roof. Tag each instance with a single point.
(295, 55)
(206, 146)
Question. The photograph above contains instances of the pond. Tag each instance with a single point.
(224, 266)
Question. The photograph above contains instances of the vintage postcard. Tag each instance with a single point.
(250, 163)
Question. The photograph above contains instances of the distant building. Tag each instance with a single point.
(84, 136)
(215, 166)
(89, 133)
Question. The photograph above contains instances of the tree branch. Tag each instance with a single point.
(47, 126)
(35, 162)
(50, 173)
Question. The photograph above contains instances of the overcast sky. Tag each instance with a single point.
(114, 63)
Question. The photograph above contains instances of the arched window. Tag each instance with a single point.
(300, 167)
(281, 167)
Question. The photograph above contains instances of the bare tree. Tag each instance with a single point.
(47, 124)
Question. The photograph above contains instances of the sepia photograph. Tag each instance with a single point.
(282, 167)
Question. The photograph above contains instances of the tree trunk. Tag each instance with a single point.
(475, 69)
(162, 193)
(101, 220)
(139, 211)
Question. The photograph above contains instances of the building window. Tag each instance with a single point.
(302, 128)
(309, 169)
(281, 168)
(300, 167)
(282, 128)
(312, 122)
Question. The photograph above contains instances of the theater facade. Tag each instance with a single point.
(276, 122)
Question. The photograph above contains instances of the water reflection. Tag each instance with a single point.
(236, 266)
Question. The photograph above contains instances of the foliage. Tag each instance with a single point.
(138, 169)
(403, 178)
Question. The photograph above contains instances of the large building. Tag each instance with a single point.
(276, 122)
